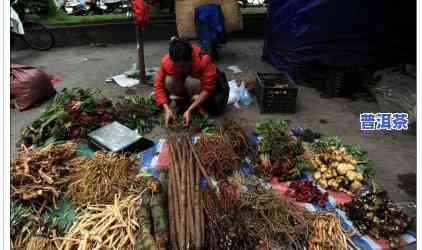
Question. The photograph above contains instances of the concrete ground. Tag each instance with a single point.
(394, 153)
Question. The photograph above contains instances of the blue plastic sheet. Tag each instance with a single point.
(340, 33)
(210, 25)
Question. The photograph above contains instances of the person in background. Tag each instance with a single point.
(189, 78)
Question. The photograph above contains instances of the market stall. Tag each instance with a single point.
(215, 187)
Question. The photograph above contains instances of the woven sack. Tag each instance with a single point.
(232, 16)
(185, 19)
(185, 16)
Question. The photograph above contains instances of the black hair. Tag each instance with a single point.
(180, 50)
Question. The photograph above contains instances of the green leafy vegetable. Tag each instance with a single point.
(326, 142)
(70, 115)
(273, 135)
(137, 113)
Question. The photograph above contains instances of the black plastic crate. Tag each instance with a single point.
(276, 93)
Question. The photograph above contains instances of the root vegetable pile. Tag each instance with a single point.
(38, 175)
(306, 191)
(217, 155)
(258, 218)
(236, 136)
(336, 170)
(186, 216)
(326, 232)
(114, 226)
(373, 213)
(98, 179)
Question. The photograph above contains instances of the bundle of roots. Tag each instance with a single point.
(326, 232)
(96, 180)
(236, 136)
(186, 216)
(37, 176)
(217, 155)
(257, 219)
(114, 226)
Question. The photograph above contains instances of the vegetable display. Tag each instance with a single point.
(281, 155)
(306, 191)
(373, 213)
(137, 113)
(218, 191)
(71, 115)
(335, 169)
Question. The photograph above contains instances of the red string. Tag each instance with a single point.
(140, 10)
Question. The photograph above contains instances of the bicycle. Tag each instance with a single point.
(35, 35)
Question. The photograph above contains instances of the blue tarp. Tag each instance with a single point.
(210, 25)
(341, 33)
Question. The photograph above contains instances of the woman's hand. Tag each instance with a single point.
(186, 118)
(168, 115)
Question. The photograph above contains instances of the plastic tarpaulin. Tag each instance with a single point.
(210, 25)
(340, 33)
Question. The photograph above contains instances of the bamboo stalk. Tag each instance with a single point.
(190, 215)
(182, 169)
(203, 171)
(174, 176)
(197, 208)
(171, 206)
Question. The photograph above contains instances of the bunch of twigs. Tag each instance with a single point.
(217, 155)
(236, 136)
(255, 219)
(96, 180)
(38, 175)
(114, 226)
(326, 232)
(186, 216)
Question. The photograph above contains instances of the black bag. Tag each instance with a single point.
(216, 104)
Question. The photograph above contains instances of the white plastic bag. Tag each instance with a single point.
(238, 94)
(245, 97)
(234, 96)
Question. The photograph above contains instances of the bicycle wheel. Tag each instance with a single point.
(37, 36)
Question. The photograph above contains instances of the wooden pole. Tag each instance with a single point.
(141, 57)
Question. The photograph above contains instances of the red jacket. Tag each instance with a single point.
(202, 69)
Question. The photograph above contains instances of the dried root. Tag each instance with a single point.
(326, 232)
(114, 226)
(98, 179)
(38, 174)
(256, 219)
(217, 155)
(40, 243)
